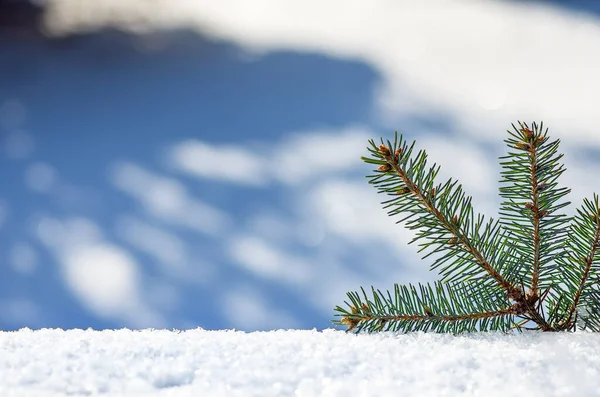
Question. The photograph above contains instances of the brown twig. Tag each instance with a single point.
(535, 210)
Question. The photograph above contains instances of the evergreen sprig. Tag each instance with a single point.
(533, 268)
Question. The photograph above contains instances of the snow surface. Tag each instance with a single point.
(52, 362)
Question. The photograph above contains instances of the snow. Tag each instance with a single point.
(51, 362)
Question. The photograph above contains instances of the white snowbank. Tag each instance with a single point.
(295, 363)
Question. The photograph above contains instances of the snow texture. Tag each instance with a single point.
(52, 362)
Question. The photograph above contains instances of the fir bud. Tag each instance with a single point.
(529, 206)
(531, 296)
(453, 241)
(523, 145)
(432, 192)
(540, 139)
(455, 220)
(398, 152)
(542, 186)
(382, 323)
(515, 294)
(527, 133)
(594, 218)
(428, 311)
(366, 308)
(519, 308)
(403, 190)
(384, 150)
(543, 214)
(351, 323)
(384, 168)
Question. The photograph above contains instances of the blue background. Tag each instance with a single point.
(75, 110)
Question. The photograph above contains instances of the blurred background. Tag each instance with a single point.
(182, 164)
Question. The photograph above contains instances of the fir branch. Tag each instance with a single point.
(589, 310)
(496, 275)
(581, 269)
(532, 200)
(441, 308)
(445, 214)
